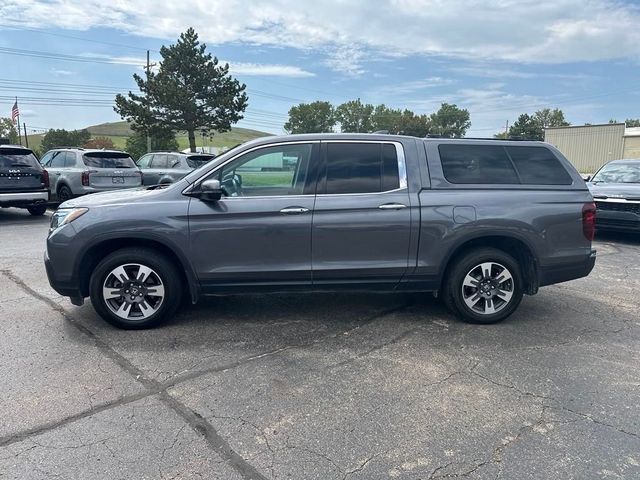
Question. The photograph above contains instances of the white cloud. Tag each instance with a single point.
(260, 69)
(61, 73)
(401, 89)
(347, 60)
(524, 31)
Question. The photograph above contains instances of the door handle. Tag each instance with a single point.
(392, 206)
(290, 210)
(57, 173)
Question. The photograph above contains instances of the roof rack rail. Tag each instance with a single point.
(67, 147)
(508, 139)
(381, 132)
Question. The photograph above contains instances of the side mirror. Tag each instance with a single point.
(210, 191)
(586, 178)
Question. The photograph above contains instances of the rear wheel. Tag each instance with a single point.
(37, 210)
(64, 194)
(483, 286)
(135, 288)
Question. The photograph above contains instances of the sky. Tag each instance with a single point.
(66, 59)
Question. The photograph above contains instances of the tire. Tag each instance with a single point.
(37, 210)
(145, 307)
(483, 299)
(64, 194)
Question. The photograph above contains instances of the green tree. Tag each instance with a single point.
(532, 126)
(632, 122)
(55, 138)
(8, 130)
(450, 121)
(414, 125)
(385, 118)
(161, 140)
(527, 127)
(550, 118)
(190, 92)
(355, 116)
(316, 117)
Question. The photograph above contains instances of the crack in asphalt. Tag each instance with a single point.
(153, 387)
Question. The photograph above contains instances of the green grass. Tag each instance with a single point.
(119, 131)
(267, 179)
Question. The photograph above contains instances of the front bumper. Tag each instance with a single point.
(619, 221)
(567, 271)
(66, 288)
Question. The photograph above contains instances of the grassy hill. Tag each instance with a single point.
(119, 131)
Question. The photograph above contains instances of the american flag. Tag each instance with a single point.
(15, 112)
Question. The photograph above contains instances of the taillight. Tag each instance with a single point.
(85, 178)
(589, 220)
(44, 178)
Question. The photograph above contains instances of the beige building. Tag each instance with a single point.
(589, 147)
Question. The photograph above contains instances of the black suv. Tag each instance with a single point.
(23, 181)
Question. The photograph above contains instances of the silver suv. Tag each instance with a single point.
(168, 167)
(77, 171)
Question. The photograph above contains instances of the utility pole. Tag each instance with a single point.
(26, 140)
(18, 124)
(149, 65)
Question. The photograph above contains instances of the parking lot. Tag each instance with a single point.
(320, 386)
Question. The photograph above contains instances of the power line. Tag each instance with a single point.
(60, 56)
(15, 22)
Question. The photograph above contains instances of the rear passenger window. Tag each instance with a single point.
(477, 164)
(538, 166)
(361, 168)
(69, 159)
(58, 159)
(160, 161)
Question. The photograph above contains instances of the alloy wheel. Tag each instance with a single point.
(487, 288)
(133, 291)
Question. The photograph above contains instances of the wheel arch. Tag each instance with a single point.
(98, 250)
(63, 183)
(514, 245)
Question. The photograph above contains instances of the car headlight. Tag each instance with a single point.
(62, 216)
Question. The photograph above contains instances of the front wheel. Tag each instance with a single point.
(483, 286)
(135, 288)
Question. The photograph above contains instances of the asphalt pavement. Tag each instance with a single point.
(349, 386)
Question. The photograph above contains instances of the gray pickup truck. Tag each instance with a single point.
(478, 222)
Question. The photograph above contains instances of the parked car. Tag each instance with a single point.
(480, 223)
(78, 171)
(23, 181)
(169, 167)
(616, 191)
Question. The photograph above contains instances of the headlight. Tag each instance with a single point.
(62, 216)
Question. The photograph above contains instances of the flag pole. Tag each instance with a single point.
(19, 134)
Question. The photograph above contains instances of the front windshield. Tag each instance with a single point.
(618, 173)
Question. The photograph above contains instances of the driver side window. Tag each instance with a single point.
(271, 171)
